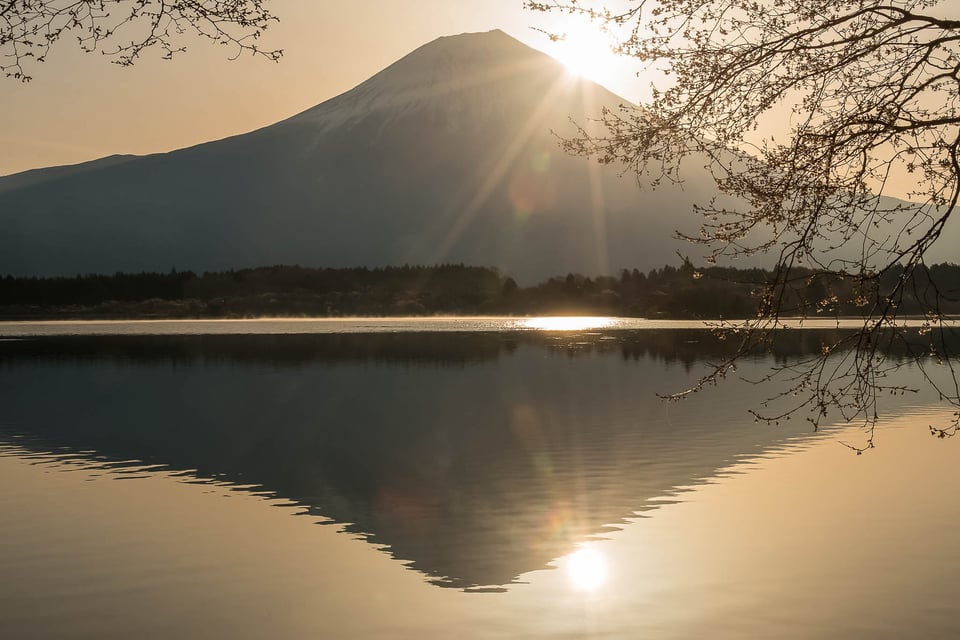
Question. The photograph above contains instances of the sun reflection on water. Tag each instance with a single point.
(586, 569)
(568, 323)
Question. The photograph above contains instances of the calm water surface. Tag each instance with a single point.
(420, 479)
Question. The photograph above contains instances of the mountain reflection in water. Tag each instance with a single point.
(474, 458)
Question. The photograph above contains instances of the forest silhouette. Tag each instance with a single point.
(683, 291)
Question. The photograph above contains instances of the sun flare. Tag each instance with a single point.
(585, 49)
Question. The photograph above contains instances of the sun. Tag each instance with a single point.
(588, 49)
(585, 49)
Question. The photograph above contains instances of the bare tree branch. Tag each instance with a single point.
(873, 92)
(124, 29)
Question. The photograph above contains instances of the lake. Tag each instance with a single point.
(470, 478)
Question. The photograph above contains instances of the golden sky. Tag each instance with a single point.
(80, 107)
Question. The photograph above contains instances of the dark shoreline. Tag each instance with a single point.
(676, 293)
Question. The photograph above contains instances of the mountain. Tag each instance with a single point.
(447, 155)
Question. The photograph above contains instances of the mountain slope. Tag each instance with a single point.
(448, 155)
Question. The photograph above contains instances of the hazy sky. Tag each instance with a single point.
(80, 107)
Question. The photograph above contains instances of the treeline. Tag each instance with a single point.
(682, 291)
(277, 290)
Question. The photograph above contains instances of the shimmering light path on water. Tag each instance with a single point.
(266, 326)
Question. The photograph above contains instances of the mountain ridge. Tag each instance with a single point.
(447, 155)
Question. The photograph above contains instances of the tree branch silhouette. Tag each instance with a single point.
(862, 96)
(124, 29)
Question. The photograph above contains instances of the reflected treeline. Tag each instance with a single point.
(473, 475)
(688, 346)
(270, 350)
